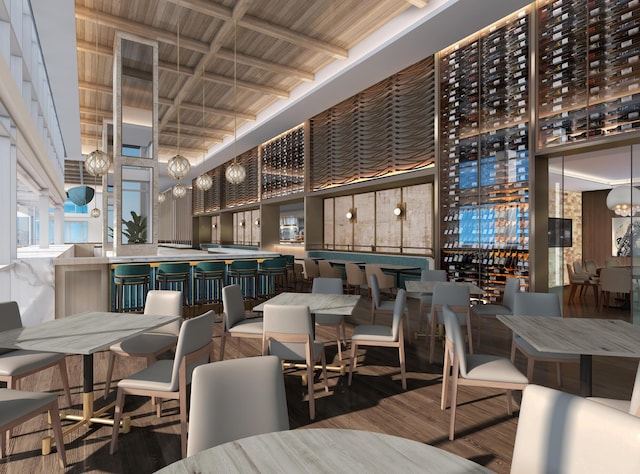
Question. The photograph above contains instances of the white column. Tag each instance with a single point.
(58, 225)
(43, 211)
(8, 208)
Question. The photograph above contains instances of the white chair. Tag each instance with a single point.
(581, 281)
(614, 280)
(481, 311)
(539, 304)
(356, 278)
(427, 298)
(234, 399)
(19, 363)
(331, 286)
(629, 406)
(288, 333)
(477, 370)
(380, 306)
(153, 343)
(382, 336)
(326, 270)
(170, 378)
(386, 282)
(17, 406)
(236, 322)
(457, 298)
(558, 432)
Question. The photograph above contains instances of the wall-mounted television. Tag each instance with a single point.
(560, 233)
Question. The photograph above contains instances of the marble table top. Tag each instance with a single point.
(324, 450)
(83, 333)
(416, 286)
(317, 302)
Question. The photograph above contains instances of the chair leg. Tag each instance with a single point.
(530, 369)
(403, 373)
(509, 402)
(117, 415)
(559, 374)
(3, 443)
(107, 383)
(54, 415)
(64, 377)
(446, 370)
(432, 338)
(183, 421)
(323, 361)
(353, 361)
(222, 341)
(339, 342)
(312, 398)
(454, 402)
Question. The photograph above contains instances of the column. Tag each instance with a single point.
(8, 209)
(43, 211)
(58, 225)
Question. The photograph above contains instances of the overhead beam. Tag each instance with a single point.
(266, 65)
(418, 3)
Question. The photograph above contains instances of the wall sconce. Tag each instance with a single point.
(242, 223)
(215, 226)
(257, 222)
(400, 211)
(351, 215)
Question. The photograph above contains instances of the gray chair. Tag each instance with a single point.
(629, 406)
(17, 406)
(17, 364)
(236, 321)
(288, 333)
(382, 336)
(558, 432)
(234, 399)
(539, 304)
(380, 306)
(331, 286)
(476, 370)
(153, 343)
(458, 299)
(482, 311)
(327, 270)
(169, 378)
(427, 298)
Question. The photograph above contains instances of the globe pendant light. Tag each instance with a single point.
(204, 182)
(161, 197)
(95, 212)
(235, 172)
(179, 191)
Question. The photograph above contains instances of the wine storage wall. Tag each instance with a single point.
(282, 164)
(247, 191)
(484, 155)
(589, 70)
(207, 201)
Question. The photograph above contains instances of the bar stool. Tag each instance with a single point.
(290, 275)
(175, 276)
(273, 274)
(209, 280)
(131, 283)
(245, 274)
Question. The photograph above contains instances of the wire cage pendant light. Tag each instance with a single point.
(235, 172)
(179, 191)
(204, 182)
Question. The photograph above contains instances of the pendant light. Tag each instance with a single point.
(95, 212)
(204, 182)
(235, 173)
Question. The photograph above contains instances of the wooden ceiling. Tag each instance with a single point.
(270, 46)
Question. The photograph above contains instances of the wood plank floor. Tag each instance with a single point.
(374, 402)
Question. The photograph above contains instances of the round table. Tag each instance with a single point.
(324, 450)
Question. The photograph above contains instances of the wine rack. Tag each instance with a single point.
(282, 164)
(484, 166)
(589, 72)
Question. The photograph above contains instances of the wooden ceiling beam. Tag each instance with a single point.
(418, 3)
(259, 63)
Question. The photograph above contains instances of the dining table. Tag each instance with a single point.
(324, 450)
(584, 336)
(397, 270)
(83, 334)
(418, 286)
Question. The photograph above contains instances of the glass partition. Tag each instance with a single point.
(137, 191)
(292, 223)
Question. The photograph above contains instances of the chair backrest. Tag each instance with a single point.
(290, 260)
(195, 334)
(165, 303)
(327, 286)
(511, 287)
(233, 305)
(433, 275)
(355, 276)
(590, 267)
(234, 399)
(376, 270)
(292, 320)
(537, 304)
(326, 270)
(211, 267)
(138, 270)
(452, 295)
(615, 279)
(453, 333)
(612, 262)
(375, 291)
(278, 264)
(310, 268)
(244, 266)
(398, 311)
(559, 432)
(179, 267)
(9, 316)
(577, 266)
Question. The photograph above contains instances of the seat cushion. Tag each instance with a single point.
(155, 377)
(21, 361)
(493, 369)
(248, 326)
(372, 332)
(536, 354)
(490, 309)
(15, 404)
(147, 343)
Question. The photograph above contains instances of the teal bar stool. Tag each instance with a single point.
(273, 275)
(131, 283)
(208, 280)
(175, 276)
(245, 274)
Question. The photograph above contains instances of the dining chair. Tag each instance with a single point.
(17, 364)
(614, 280)
(380, 306)
(356, 278)
(559, 432)
(18, 406)
(310, 271)
(208, 278)
(591, 268)
(630, 406)
(476, 370)
(174, 276)
(427, 298)
(153, 343)
(168, 379)
(458, 299)
(326, 270)
(382, 336)
(235, 320)
(386, 282)
(539, 304)
(482, 311)
(234, 399)
(580, 281)
(612, 262)
(288, 333)
(331, 286)
(244, 273)
(272, 274)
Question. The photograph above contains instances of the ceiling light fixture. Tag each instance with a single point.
(95, 212)
(179, 191)
(204, 182)
(235, 173)
(624, 200)
(161, 197)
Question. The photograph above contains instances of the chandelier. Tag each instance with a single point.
(624, 200)
(235, 173)
(179, 191)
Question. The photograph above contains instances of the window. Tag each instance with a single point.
(76, 231)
